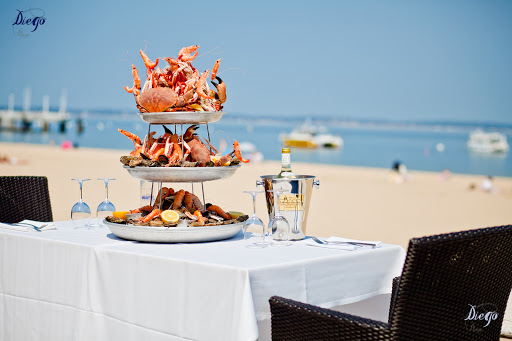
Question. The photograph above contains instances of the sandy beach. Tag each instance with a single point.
(353, 202)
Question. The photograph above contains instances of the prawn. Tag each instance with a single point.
(200, 217)
(178, 199)
(200, 85)
(185, 53)
(215, 69)
(149, 64)
(155, 213)
(216, 209)
(238, 153)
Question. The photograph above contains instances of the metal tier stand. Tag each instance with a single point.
(182, 133)
(157, 176)
(159, 185)
(182, 160)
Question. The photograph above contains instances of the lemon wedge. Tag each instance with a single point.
(170, 216)
(235, 214)
(197, 107)
(120, 214)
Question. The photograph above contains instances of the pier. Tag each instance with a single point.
(26, 118)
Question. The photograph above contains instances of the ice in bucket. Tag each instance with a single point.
(294, 205)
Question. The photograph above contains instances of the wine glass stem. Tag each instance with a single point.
(254, 204)
(80, 182)
(106, 190)
(278, 202)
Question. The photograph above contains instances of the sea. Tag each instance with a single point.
(422, 146)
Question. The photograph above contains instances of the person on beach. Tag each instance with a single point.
(445, 175)
(487, 185)
(399, 172)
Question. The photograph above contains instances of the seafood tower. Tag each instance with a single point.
(179, 99)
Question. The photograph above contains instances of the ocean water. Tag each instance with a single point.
(370, 146)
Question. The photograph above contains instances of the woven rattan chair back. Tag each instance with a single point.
(24, 197)
(454, 286)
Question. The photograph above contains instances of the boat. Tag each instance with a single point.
(487, 142)
(309, 135)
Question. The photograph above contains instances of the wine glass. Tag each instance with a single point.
(105, 208)
(255, 223)
(278, 226)
(80, 212)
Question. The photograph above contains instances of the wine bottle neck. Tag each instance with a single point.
(285, 162)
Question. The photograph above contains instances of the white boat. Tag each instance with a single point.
(309, 135)
(491, 142)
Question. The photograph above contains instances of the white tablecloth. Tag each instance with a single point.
(71, 284)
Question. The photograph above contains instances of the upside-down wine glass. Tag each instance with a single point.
(255, 223)
(278, 225)
(80, 212)
(105, 208)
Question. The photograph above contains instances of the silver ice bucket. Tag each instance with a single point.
(293, 205)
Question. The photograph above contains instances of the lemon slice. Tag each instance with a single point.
(235, 214)
(120, 214)
(197, 107)
(170, 216)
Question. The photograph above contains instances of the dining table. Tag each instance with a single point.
(73, 283)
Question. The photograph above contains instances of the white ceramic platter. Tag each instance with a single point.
(181, 117)
(182, 174)
(174, 234)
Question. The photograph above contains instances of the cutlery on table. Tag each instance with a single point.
(25, 224)
(319, 241)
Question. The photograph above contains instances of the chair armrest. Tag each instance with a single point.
(394, 293)
(292, 320)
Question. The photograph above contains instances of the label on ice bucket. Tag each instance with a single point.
(290, 202)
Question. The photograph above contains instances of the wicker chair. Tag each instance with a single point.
(24, 197)
(447, 281)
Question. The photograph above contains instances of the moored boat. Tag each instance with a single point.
(309, 135)
(487, 142)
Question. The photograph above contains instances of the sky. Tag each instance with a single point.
(399, 60)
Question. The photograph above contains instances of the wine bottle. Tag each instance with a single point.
(286, 166)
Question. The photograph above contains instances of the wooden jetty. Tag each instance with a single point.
(26, 118)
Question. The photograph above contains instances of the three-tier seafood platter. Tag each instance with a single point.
(179, 99)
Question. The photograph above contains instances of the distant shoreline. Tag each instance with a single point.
(331, 120)
(310, 165)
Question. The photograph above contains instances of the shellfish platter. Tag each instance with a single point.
(181, 117)
(174, 235)
(179, 158)
(176, 216)
(181, 174)
(178, 94)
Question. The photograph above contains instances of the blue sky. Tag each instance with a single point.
(400, 60)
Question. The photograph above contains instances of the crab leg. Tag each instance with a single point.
(211, 146)
(221, 89)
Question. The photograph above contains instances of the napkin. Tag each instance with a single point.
(14, 227)
(375, 244)
(346, 247)
(43, 226)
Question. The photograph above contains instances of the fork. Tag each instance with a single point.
(319, 241)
